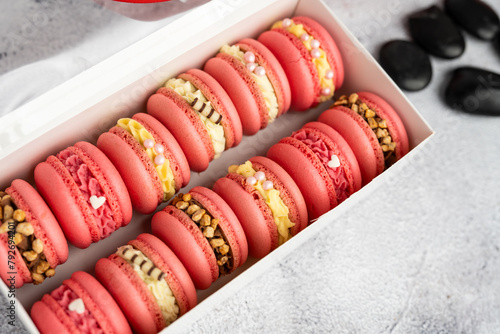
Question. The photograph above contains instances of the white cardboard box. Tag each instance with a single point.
(89, 104)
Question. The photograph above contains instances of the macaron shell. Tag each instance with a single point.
(274, 71)
(360, 138)
(43, 221)
(135, 167)
(254, 215)
(395, 125)
(296, 62)
(110, 181)
(182, 122)
(102, 306)
(173, 152)
(131, 294)
(289, 191)
(59, 190)
(327, 44)
(228, 222)
(184, 238)
(49, 317)
(307, 172)
(338, 143)
(176, 275)
(20, 274)
(233, 76)
(218, 97)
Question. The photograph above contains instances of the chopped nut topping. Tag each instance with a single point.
(13, 221)
(205, 220)
(378, 125)
(192, 209)
(181, 205)
(197, 215)
(210, 229)
(25, 228)
(19, 215)
(30, 255)
(37, 246)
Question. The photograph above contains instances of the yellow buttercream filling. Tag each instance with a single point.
(273, 200)
(164, 171)
(321, 63)
(159, 288)
(263, 82)
(189, 92)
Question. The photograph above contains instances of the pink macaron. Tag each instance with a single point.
(255, 81)
(204, 233)
(32, 243)
(321, 163)
(80, 305)
(310, 58)
(149, 159)
(199, 114)
(85, 192)
(148, 282)
(372, 128)
(267, 202)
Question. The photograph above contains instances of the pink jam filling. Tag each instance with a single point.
(324, 154)
(85, 321)
(89, 186)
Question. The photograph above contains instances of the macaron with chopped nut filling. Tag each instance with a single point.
(254, 80)
(85, 192)
(310, 58)
(32, 243)
(199, 114)
(204, 233)
(267, 202)
(372, 128)
(149, 159)
(80, 305)
(148, 282)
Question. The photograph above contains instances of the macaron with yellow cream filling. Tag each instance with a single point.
(267, 202)
(149, 159)
(310, 58)
(199, 114)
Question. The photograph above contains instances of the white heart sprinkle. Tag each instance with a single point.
(77, 305)
(97, 202)
(334, 162)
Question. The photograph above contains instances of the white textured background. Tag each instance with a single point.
(420, 255)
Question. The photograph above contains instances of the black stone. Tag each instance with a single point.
(407, 64)
(476, 17)
(474, 90)
(496, 43)
(436, 33)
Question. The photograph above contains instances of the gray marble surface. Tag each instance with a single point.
(419, 255)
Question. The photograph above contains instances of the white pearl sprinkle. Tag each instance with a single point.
(251, 180)
(315, 53)
(249, 57)
(251, 66)
(267, 185)
(260, 71)
(304, 37)
(260, 176)
(315, 44)
(286, 23)
(329, 74)
(326, 91)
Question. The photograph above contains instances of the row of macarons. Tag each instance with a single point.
(207, 233)
(144, 160)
